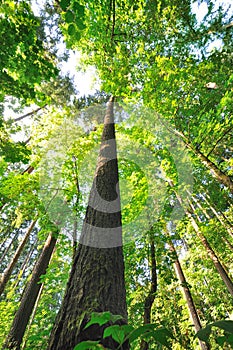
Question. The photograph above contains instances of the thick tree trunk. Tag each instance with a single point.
(29, 298)
(23, 346)
(96, 282)
(7, 273)
(187, 294)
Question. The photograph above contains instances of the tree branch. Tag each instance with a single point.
(220, 139)
(29, 114)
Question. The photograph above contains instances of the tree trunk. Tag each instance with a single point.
(29, 298)
(24, 264)
(7, 273)
(8, 247)
(218, 174)
(219, 267)
(23, 346)
(96, 282)
(187, 294)
(149, 300)
(226, 279)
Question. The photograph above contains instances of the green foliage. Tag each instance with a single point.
(225, 325)
(124, 333)
(24, 61)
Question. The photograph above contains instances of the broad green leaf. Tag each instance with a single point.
(79, 9)
(204, 333)
(116, 332)
(99, 318)
(80, 24)
(69, 17)
(71, 29)
(226, 325)
(86, 345)
(64, 4)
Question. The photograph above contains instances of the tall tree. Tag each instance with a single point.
(96, 281)
(30, 295)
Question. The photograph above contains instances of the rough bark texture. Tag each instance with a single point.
(187, 294)
(7, 273)
(96, 282)
(29, 298)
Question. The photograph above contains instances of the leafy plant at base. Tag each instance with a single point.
(124, 333)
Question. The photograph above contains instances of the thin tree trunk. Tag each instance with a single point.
(32, 317)
(149, 300)
(24, 264)
(30, 295)
(7, 273)
(219, 267)
(228, 243)
(218, 174)
(8, 247)
(208, 217)
(227, 228)
(187, 294)
(96, 282)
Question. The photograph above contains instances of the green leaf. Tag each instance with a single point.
(86, 345)
(102, 317)
(64, 4)
(71, 29)
(69, 17)
(80, 24)
(140, 331)
(79, 9)
(225, 325)
(116, 332)
(204, 333)
(77, 36)
(99, 318)
(161, 336)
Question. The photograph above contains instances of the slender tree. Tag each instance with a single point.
(30, 295)
(150, 298)
(187, 293)
(7, 273)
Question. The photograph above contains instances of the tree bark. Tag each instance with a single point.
(96, 282)
(219, 267)
(8, 247)
(29, 298)
(149, 300)
(218, 174)
(7, 273)
(187, 294)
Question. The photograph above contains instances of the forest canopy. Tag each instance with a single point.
(116, 208)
